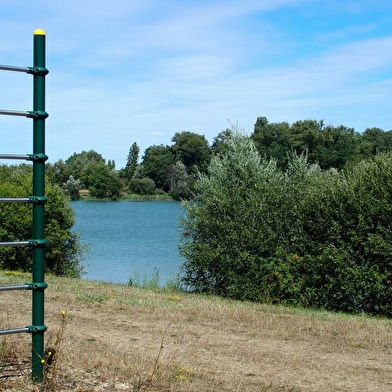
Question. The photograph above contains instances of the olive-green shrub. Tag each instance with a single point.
(63, 253)
(303, 236)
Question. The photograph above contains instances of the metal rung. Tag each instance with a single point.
(31, 199)
(14, 69)
(36, 114)
(34, 243)
(15, 287)
(30, 70)
(14, 199)
(15, 243)
(14, 330)
(14, 113)
(25, 157)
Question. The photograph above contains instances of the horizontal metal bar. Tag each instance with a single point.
(30, 199)
(14, 330)
(35, 243)
(35, 114)
(16, 243)
(15, 69)
(15, 287)
(14, 199)
(30, 70)
(25, 157)
(25, 286)
(15, 113)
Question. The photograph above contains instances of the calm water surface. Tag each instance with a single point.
(125, 237)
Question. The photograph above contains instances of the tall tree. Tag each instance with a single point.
(101, 180)
(77, 162)
(155, 161)
(378, 140)
(90, 170)
(327, 145)
(132, 161)
(72, 186)
(192, 150)
(219, 142)
(177, 179)
(272, 140)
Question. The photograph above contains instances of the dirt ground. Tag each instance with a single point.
(119, 338)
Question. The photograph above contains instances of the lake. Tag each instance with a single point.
(129, 239)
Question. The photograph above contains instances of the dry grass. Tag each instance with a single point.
(120, 338)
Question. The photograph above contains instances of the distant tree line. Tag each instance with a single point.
(337, 147)
(171, 169)
(87, 170)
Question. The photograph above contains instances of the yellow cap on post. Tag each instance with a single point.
(39, 32)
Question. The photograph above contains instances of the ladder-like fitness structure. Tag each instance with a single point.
(38, 158)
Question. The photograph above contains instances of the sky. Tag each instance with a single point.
(139, 71)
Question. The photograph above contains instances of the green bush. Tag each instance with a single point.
(303, 236)
(228, 228)
(141, 186)
(63, 253)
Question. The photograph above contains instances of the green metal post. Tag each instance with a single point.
(38, 328)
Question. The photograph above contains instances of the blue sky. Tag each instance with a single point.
(129, 71)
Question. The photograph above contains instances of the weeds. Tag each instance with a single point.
(150, 378)
(13, 367)
(145, 281)
(52, 353)
(183, 374)
(92, 297)
(153, 281)
(10, 364)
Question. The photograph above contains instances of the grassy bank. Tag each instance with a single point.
(134, 197)
(119, 338)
